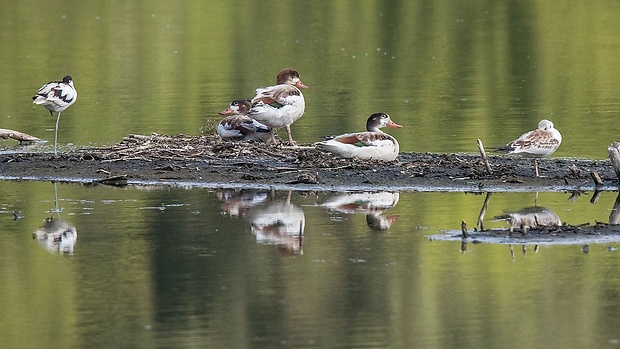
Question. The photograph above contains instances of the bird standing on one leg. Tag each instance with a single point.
(56, 96)
(538, 143)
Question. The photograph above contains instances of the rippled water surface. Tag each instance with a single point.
(173, 267)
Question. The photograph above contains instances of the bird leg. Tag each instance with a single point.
(56, 133)
(536, 166)
(290, 137)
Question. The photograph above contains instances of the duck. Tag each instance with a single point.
(280, 105)
(538, 143)
(373, 144)
(238, 126)
(56, 96)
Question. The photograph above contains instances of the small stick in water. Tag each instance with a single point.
(483, 211)
(484, 156)
(464, 229)
(597, 179)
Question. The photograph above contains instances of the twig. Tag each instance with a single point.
(269, 152)
(596, 178)
(340, 167)
(464, 229)
(483, 211)
(484, 156)
(595, 196)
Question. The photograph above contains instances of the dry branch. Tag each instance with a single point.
(484, 155)
(20, 136)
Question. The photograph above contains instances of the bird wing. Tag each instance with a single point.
(277, 96)
(533, 142)
(244, 124)
(364, 139)
(57, 92)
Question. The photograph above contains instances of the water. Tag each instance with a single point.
(170, 267)
(450, 73)
(173, 267)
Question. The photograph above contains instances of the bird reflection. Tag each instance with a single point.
(371, 204)
(56, 235)
(380, 222)
(523, 249)
(530, 217)
(236, 203)
(279, 223)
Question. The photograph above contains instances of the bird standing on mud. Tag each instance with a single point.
(56, 96)
(538, 143)
(280, 105)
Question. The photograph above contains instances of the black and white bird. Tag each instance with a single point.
(239, 126)
(56, 96)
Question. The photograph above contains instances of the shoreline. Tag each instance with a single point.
(207, 161)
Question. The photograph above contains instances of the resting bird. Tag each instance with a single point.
(538, 143)
(280, 105)
(373, 144)
(239, 126)
(56, 96)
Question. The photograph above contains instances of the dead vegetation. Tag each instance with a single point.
(208, 159)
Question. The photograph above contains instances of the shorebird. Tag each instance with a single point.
(56, 96)
(373, 144)
(536, 144)
(280, 105)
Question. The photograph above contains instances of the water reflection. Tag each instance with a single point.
(279, 223)
(523, 250)
(614, 215)
(371, 204)
(236, 202)
(380, 222)
(545, 224)
(273, 221)
(56, 235)
(530, 217)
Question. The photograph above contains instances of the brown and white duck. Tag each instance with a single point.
(373, 144)
(239, 126)
(280, 105)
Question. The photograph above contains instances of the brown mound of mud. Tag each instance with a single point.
(208, 159)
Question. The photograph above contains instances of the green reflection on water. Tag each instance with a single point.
(450, 73)
(173, 267)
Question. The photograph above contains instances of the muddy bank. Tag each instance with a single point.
(208, 161)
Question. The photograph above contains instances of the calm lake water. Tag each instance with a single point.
(448, 72)
(175, 267)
